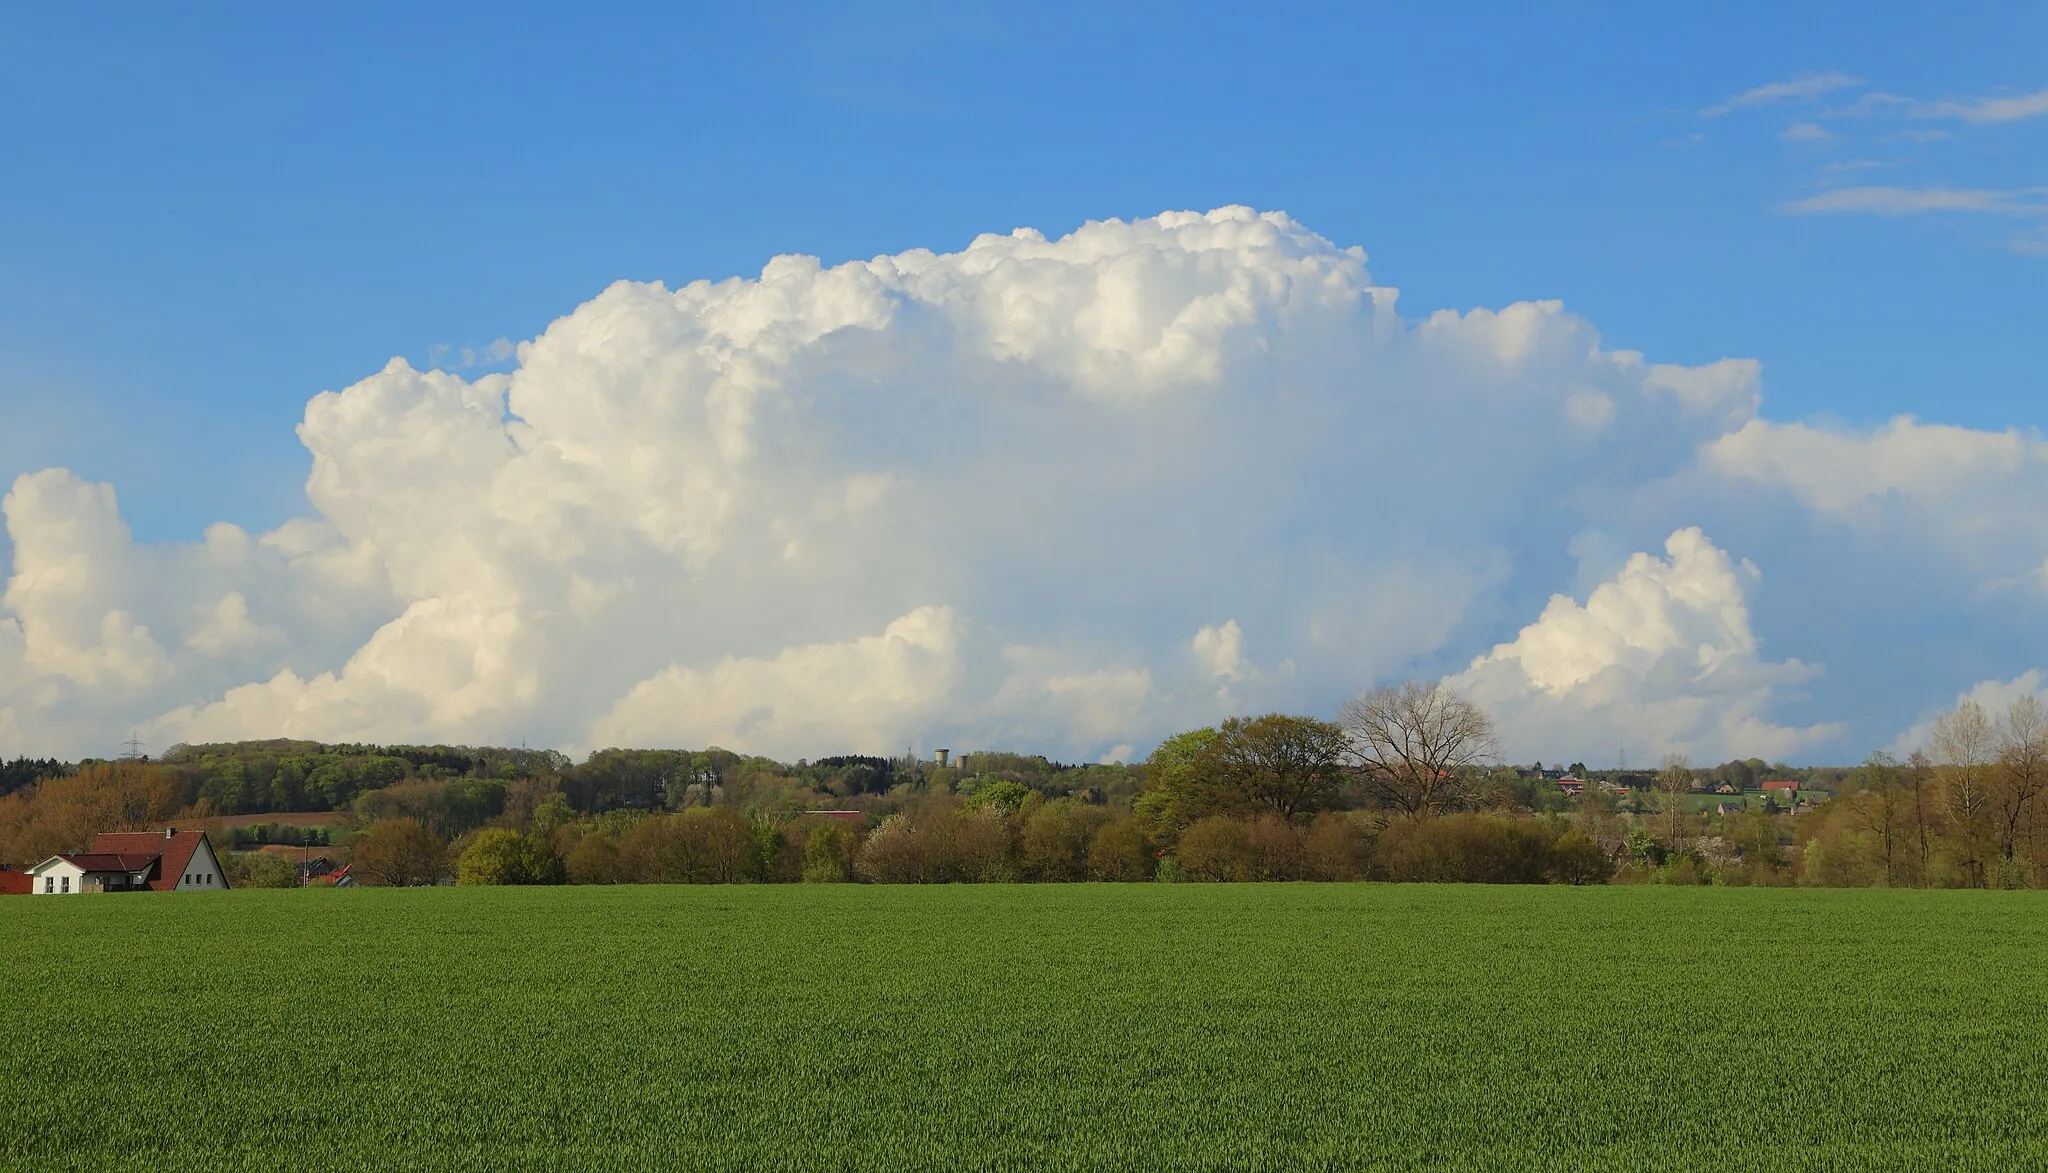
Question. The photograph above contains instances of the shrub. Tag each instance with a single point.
(1338, 846)
(1470, 848)
(1575, 859)
(1056, 840)
(702, 845)
(937, 846)
(1119, 853)
(1276, 848)
(893, 854)
(1220, 848)
(400, 853)
(1215, 849)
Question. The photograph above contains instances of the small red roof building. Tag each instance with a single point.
(1792, 786)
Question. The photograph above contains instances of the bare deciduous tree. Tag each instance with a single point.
(1965, 744)
(2022, 771)
(1919, 775)
(1415, 744)
(1881, 809)
(1672, 783)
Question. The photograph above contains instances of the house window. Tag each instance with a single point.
(67, 884)
(49, 883)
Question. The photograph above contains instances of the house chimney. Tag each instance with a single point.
(170, 831)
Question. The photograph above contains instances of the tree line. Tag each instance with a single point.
(1403, 785)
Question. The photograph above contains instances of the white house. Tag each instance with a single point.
(169, 860)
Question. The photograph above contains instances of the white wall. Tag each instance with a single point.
(202, 872)
(60, 871)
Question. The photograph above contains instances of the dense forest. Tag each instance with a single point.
(1401, 787)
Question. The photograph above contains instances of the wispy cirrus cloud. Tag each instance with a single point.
(1792, 89)
(1869, 103)
(1908, 201)
(1986, 111)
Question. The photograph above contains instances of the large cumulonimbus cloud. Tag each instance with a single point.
(1065, 495)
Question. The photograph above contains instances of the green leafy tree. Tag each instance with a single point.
(261, 869)
(825, 855)
(499, 856)
(1278, 764)
(1289, 766)
(1174, 781)
(1002, 796)
(594, 860)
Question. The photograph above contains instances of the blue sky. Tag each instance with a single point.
(212, 213)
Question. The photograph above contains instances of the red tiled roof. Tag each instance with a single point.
(15, 883)
(94, 861)
(176, 849)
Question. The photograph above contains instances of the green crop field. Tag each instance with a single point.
(1150, 1027)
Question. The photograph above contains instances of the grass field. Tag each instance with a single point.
(1020, 1027)
(220, 823)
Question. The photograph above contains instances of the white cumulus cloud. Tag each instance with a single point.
(1994, 696)
(1967, 492)
(971, 498)
(1661, 658)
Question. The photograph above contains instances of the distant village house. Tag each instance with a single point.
(169, 860)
